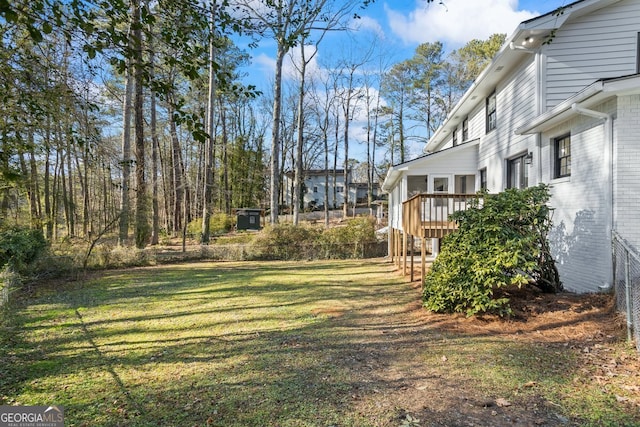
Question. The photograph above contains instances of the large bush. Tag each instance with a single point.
(20, 246)
(501, 241)
(286, 241)
(349, 240)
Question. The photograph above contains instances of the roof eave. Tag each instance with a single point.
(540, 27)
(590, 96)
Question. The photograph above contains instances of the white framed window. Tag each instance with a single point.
(518, 172)
(562, 157)
(492, 118)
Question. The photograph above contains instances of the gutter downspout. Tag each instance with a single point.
(608, 163)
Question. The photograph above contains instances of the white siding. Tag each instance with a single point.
(477, 122)
(317, 181)
(515, 105)
(395, 206)
(580, 239)
(627, 170)
(595, 46)
(461, 160)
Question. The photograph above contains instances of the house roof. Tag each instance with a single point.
(395, 172)
(316, 172)
(527, 38)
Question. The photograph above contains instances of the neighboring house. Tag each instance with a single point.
(358, 191)
(559, 104)
(314, 188)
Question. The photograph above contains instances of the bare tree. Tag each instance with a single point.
(351, 94)
(209, 143)
(288, 23)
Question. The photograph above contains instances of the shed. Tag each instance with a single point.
(248, 219)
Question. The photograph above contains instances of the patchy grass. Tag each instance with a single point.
(291, 344)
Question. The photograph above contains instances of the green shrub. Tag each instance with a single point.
(500, 242)
(286, 241)
(235, 238)
(20, 246)
(219, 223)
(349, 240)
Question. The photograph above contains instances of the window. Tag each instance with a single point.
(562, 156)
(339, 189)
(465, 129)
(465, 184)
(417, 184)
(315, 188)
(491, 112)
(455, 137)
(440, 186)
(518, 172)
(483, 179)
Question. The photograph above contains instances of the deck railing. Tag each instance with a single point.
(427, 215)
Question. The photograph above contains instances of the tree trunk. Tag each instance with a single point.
(225, 162)
(155, 146)
(142, 229)
(346, 153)
(71, 202)
(123, 235)
(209, 159)
(47, 183)
(298, 197)
(275, 136)
(176, 173)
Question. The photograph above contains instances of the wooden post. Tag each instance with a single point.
(423, 253)
(405, 239)
(398, 249)
(412, 243)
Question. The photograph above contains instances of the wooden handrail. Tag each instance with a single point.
(427, 215)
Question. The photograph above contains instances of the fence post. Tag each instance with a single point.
(627, 288)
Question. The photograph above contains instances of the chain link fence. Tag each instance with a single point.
(626, 278)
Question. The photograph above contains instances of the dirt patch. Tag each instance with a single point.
(404, 379)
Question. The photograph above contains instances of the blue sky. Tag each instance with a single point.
(402, 25)
(399, 26)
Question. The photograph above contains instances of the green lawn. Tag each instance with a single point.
(255, 344)
(219, 344)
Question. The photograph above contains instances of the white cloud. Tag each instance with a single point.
(455, 22)
(289, 71)
(265, 63)
(368, 24)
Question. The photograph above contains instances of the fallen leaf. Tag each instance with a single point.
(503, 403)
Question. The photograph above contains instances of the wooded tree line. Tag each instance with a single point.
(131, 117)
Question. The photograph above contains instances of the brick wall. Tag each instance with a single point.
(627, 169)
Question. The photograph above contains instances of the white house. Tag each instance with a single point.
(315, 187)
(559, 104)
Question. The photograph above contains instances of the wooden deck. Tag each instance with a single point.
(425, 216)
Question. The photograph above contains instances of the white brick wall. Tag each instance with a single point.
(580, 239)
(627, 169)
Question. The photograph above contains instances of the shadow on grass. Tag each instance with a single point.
(264, 344)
